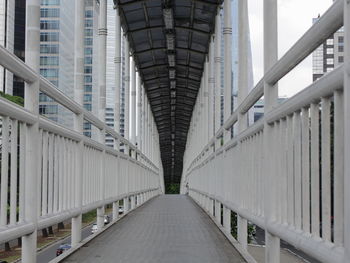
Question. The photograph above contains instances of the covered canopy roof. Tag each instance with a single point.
(169, 40)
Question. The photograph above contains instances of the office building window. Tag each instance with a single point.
(49, 36)
(49, 61)
(88, 41)
(49, 72)
(89, 23)
(88, 69)
(340, 59)
(48, 109)
(340, 48)
(88, 88)
(50, 2)
(49, 49)
(88, 79)
(49, 12)
(89, 32)
(49, 24)
(88, 13)
(88, 60)
(341, 39)
(88, 51)
(88, 106)
(87, 97)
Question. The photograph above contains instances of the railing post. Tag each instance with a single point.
(272, 251)
(31, 103)
(347, 130)
(78, 118)
(117, 63)
(217, 78)
(243, 53)
(102, 32)
(227, 65)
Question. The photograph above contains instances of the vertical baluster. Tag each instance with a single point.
(4, 170)
(13, 191)
(56, 174)
(22, 150)
(297, 169)
(305, 169)
(50, 181)
(338, 168)
(290, 171)
(315, 170)
(326, 169)
(44, 174)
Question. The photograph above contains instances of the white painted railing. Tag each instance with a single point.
(286, 172)
(75, 174)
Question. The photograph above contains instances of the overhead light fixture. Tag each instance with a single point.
(173, 84)
(170, 41)
(171, 73)
(171, 60)
(173, 93)
(168, 18)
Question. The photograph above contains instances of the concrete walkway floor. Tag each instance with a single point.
(168, 229)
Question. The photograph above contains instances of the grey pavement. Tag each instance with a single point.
(168, 229)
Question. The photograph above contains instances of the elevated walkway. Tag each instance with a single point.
(168, 229)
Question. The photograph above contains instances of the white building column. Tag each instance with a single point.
(127, 89)
(133, 101)
(139, 111)
(347, 131)
(78, 118)
(117, 63)
(272, 251)
(227, 31)
(31, 103)
(102, 53)
(243, 44)
(218, 61)
(211, 89)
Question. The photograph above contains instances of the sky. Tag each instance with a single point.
(294, 19)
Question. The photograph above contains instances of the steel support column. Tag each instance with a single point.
(227, 64)
(133, 101)
(272, 252)
(127, 89)
(78, 118)
(346, 197)
(31, 102)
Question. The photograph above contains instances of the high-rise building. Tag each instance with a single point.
(57, 55)
(329, 55)
(7, 30)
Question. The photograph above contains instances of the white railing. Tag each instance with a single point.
(75, 175)
(286, 173)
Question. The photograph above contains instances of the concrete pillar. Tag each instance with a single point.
(127, 89)
(272, 251)
(211, 89)
(227, 65)
(102, 51)
(347, 131)
(78, 120)
(227, 219)
(133, 101)
(218, 65)
(31, 103)
(243, 44)
(139, 111)
(117, 62)
(126, 204)
(115, 211)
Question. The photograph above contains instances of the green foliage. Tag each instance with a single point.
(251, 228)
(89, 216)
(15, 99)
(172, 189)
